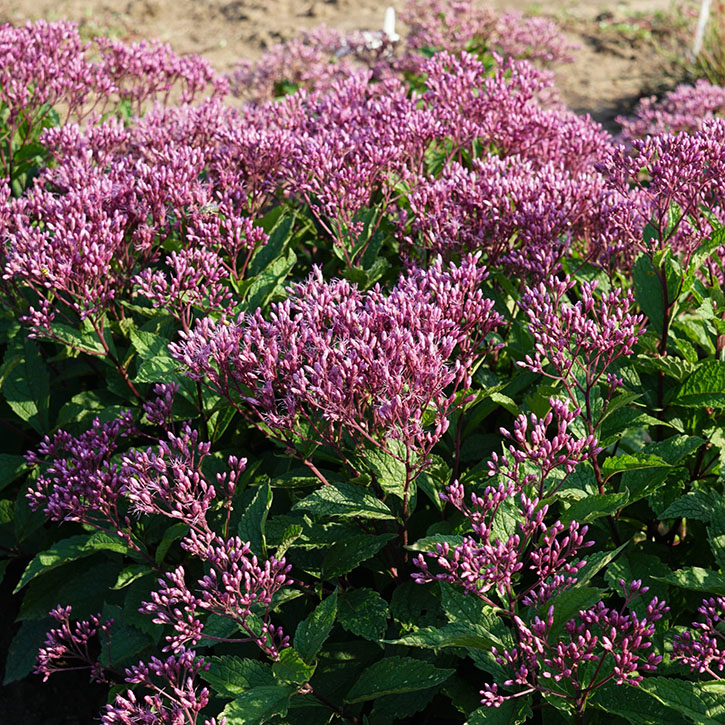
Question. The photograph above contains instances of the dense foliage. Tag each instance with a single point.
(370, 384)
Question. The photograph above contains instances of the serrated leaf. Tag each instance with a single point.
(313, 631)
(594, 507)
(511, 712)
(716, 535)
(453, 634)
(252, 523)
(680, 695)
(344, 500)
(698, 505)
(596, 562)
(84, 340)
(11, 468)
(289, 536)
(75, 547)
(394, 675)
(231, 676)
(705, 387)
(290, 668)
(696, 579)
(26, 384)
(633, 705)
(363, 612)
(259, 705)
(641, 483)
(627, 462)
(130, 574)
(345, 555)
(389, 469)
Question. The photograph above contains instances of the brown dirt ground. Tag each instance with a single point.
(612, 69)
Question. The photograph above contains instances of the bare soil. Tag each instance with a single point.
(617, 61)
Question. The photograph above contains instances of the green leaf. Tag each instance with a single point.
(130, 574)
(594, 507)
(265, 286)
(716, 535)
(633, 705)
(698, 505)
(680, 695)
(696, 579)
(75, 547)
(641, 483)
(313, 631)
(24, 648)
(290, 668)
(149, 345)
(171, 534)
(289, 536)
(252, 524)
(596, 562)
(26, 384)
(627, 462)
(279, 234)
(648, 288)
(84, 340)
(364, 613)
(231, 676)
(568, 603)
(705, 387)
(511, 712)
(453, 634)
(430, 543)
(394, 675)
(259, 705)
(345, 555)
(11, 468)
(389, 469)
(126, 641)
(345, 500)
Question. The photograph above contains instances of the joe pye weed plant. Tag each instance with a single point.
(389, 391)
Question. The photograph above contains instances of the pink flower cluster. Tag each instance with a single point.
(45, 66)
(683, 110)
(704, 649)
(471, 25)
(600, 634)
(332, 361)
(576, 342)
(486, 566)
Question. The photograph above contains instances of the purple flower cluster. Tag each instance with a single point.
(46, 65)
(530, 447)
(617, 642)
(79, 481)
(673, 182)
(523, 215)
(456, 25)
(487, 565)
(176, 698)
(576, 343)
(71, 643)
(81, 484)
(683, 110)
(704, 649)
(332, 362)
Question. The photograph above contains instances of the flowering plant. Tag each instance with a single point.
(391, 391)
